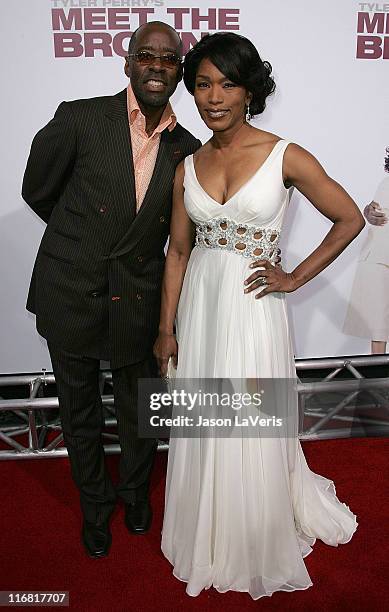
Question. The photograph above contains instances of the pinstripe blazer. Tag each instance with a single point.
(96, 283)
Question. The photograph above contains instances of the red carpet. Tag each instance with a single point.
(40, 523)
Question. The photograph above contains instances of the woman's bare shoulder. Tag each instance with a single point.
(263, 140)
(264, 137)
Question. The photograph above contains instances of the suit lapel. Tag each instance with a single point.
(153, 202)
(120, 167)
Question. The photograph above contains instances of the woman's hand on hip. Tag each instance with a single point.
(270, 278)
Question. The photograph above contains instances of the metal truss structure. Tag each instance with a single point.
(38, 433)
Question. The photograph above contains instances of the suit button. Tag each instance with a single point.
(102, 209)
(140, 258)
(162, 219)
(115, 298)
(138, 297)
(95, 294)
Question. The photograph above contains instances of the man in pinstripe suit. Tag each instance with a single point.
(100, 174)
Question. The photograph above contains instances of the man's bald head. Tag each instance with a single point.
(154, 25)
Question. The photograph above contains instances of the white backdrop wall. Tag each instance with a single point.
(328, 100)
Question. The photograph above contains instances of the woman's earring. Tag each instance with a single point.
(248, 115)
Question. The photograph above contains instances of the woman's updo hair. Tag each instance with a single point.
(237, 58)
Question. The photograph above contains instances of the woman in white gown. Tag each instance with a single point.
(241, 513)
(368, 310)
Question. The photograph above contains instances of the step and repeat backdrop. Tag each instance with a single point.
(331, 64)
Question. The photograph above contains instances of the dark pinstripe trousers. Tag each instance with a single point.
(81, 413)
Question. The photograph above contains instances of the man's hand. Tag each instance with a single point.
(374, 214)
(272, 278)
(165, 347)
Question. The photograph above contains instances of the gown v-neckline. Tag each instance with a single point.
(242, 186)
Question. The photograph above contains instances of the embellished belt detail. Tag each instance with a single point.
(246, 240)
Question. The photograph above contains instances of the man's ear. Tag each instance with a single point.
(127, 67)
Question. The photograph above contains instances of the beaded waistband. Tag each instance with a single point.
(246, 240)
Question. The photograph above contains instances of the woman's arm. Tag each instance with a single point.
(304, 172)
(180, 246)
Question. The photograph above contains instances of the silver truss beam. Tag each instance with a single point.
(341, 362)
(26, 408)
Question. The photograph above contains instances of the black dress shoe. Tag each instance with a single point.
(138, 516)
(97, 539)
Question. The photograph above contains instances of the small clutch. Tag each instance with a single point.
(171, 370)
(171, 374)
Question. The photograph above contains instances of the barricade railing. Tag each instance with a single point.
(36, 433)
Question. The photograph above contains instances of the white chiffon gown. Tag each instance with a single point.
(241, 513)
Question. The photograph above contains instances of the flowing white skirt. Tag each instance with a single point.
(241, 513)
